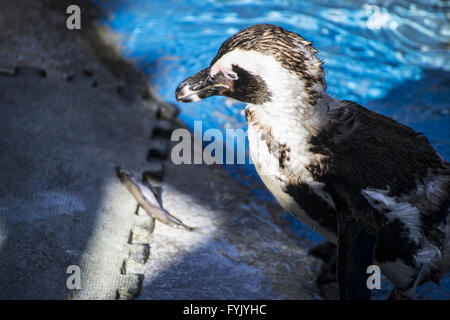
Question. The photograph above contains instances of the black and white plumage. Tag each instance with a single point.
(365, 182)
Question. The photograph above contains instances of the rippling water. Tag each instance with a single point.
(391, 56)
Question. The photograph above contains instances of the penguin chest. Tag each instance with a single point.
(269, 160)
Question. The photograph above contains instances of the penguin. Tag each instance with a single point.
(370, 185)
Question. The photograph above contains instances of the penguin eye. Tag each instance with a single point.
(227, 72)
(231, 75)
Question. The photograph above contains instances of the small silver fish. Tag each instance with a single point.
(146, 198)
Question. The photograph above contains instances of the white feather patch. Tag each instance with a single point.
(395, 208)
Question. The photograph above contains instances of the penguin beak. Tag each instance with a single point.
(202, 85)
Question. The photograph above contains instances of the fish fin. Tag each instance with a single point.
(158, 193)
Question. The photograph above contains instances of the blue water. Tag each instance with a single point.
(391, 56)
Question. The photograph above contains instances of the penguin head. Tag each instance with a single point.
(260, 64)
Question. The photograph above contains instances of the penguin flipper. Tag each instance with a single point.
(356, 246)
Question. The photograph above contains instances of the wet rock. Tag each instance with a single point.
(159, 148)
(131, 266)
(8, 70)
(139, 252)
(167, 111)
(130, 285)
(163, 129)
(154, 171)
(139, 235)
(27, 70)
